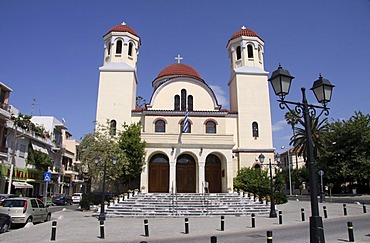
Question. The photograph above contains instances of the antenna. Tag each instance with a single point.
(33, 105)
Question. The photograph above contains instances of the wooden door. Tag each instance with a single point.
(159, 174)
(213, 174)
(185, 174)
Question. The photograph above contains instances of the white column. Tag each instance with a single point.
(201, 176)
(172, 182)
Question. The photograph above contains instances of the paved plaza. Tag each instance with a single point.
(78, 226)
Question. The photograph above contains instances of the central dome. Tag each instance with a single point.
(178, 69)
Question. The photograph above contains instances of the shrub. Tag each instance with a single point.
(280, 198)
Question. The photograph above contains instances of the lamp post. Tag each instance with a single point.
(322, 88)
(289, 172)
(102, 208)
(273, 214)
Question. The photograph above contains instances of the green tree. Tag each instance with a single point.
(40, 160)
(127, 147)
(130, 143)
(252, 180)
(346, 157)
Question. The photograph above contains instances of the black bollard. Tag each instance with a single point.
(345, 209)
(53, 230)
(102, 229)
(253, 220)
(146, 228)
(186, 226)
(213, 239)
(325, 212)
(350, 232)
(363, 207)
(222, 223)
(280, 217)
(302, 214)
(269, 237)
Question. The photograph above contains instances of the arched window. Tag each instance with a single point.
(259, 53)
(108, 47)
(255, 130)
(160, 126)
(113, 128)
(238, 53)
(119, 47)
(190, 103)
(250, 51)
(210, 127)
(183, 100)
(182, 124)
(177, 103)
(130, 49)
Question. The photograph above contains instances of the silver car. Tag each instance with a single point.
(24, 210)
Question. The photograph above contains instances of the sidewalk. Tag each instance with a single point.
(77, 226)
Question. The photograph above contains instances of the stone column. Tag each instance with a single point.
(201, 176)
(172, 179)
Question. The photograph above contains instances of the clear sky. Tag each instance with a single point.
(51, 50)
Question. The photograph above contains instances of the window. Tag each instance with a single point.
(182, 127)
(22, 150)
(183, 99)
(108, 48)
(160, 126)
(255, 129)
(119, 47)
(210, 127)
(250, 51)
(177, 102)
(113, 128)
(190, 103)
(130, 48)
(238, 53)
(259, 53)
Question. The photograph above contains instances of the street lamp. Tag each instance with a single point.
(289, 172)
(273, 214)
(322, 88)
(97, 160)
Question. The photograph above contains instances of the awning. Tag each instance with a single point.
(39, 148)
(21, 184)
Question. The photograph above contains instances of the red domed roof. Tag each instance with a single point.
(179, 69)
(244, 32)
(122, 28)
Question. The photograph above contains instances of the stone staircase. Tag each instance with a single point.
(185, 204)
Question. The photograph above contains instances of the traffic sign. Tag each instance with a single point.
(47, 176)
(321, 173)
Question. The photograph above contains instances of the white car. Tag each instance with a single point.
(76, 197)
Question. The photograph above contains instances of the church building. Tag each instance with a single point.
(193, 144)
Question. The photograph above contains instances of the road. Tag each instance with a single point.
(335, 230)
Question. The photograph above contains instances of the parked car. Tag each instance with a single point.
(62, 199)
(76, 197)
(5, 196)
(25, 209)
(5, 222)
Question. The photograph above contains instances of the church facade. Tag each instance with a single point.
(193, 144)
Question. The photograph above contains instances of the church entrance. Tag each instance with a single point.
(213, 173)
(185, 174)
(159, 173)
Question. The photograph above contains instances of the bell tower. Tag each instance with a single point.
(249, 96)
(118, 77)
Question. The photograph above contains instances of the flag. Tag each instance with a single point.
(185, 123)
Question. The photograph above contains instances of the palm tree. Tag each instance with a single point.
(299, 141)
(293, 119)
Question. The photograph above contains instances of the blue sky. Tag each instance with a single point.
(51, 50)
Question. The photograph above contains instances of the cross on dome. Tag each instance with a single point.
(179, 58)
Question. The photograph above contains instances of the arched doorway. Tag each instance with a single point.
(159, 173)
(213, 173)
(185, 174)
